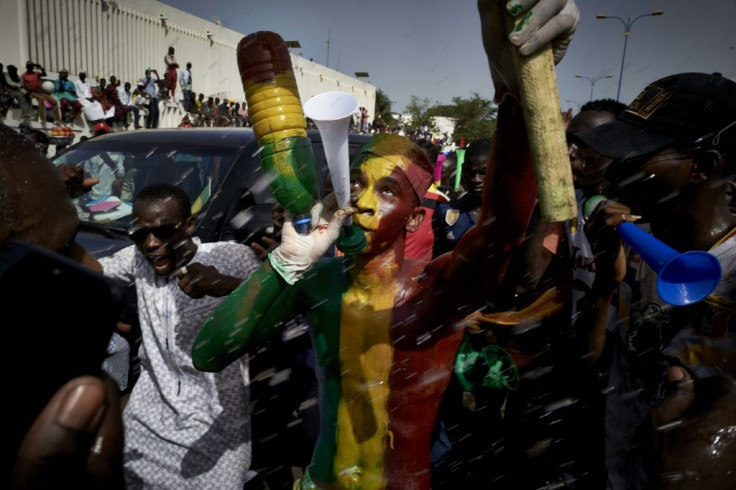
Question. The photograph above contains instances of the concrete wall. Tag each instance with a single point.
(105, 37)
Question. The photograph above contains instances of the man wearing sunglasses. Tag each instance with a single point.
(182, 427)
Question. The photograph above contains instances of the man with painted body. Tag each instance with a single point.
(386, 329)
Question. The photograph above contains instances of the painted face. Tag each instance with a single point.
(161, 235)
(382, 192)
(588, 166)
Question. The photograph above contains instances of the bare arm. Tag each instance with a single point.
(509, 191)
(610, 265)
(236, 323)
(482, 255)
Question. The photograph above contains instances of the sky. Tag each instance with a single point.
(432, 48)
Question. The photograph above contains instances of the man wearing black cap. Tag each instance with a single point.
(675, 147)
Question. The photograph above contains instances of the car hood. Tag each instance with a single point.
(101, 246)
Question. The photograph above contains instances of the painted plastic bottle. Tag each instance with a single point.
(279, 124)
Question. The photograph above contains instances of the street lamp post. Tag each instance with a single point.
(592, 82)
(628, 23)
(577, 104)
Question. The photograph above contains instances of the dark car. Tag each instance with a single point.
(219, 168)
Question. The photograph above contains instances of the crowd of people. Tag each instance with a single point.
(122, 104)
(110, 102)
(119, 104)
(216, 112)
(469, 344)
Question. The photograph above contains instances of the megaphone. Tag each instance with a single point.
(331, 112)
(682, 278)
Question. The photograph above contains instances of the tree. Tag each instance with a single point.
(383, 107)
(420, 111)
(475, 118)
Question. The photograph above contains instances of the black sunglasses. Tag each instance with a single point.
(163, 232)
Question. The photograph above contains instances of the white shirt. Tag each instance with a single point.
(14, 85)
(97, 167)
(125, 97)
(185, 79)
(183, 428)
(84, 91)
(150, 86)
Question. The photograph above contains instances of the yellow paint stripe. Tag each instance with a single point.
(366, 354)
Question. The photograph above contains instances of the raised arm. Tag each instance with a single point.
(482, 255)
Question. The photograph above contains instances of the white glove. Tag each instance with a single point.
(298, 253)
(552, 21)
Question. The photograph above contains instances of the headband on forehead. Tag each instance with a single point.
(407, 157)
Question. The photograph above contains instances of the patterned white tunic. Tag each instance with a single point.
(184, 429)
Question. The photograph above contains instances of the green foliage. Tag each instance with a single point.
(420, 111)
(383, 107)
(475, 118)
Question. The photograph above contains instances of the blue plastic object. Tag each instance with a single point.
(682, 278)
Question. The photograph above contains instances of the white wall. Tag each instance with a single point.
(123, 37)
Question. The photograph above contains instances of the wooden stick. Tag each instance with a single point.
(540, 102)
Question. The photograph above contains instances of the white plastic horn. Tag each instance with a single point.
(331, 112)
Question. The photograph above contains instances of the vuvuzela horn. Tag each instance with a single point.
(540, 103)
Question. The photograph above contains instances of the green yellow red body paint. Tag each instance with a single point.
(385, 330)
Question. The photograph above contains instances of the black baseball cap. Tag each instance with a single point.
(687, 109)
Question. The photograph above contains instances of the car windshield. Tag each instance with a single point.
(126, 167)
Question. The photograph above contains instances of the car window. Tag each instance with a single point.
(125, 167)
(248, 213)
